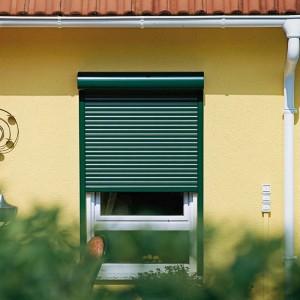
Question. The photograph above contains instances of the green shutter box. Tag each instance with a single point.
(140, 131)
(91, 80)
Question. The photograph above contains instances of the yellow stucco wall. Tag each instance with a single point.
(243, 126)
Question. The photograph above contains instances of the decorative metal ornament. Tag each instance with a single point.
(9, 131)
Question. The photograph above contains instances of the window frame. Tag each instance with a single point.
(126, 271)
(159, 222)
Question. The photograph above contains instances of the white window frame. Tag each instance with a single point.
(119, 271)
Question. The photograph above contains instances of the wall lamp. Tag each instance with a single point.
(7, 212)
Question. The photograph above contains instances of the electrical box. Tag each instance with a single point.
(266, 198)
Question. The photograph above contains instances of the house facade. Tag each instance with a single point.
(237, 49)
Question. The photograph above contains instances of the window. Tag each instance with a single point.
(141, 204)
(177, 227)
(141, 168)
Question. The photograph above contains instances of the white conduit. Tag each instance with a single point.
(292, 30)
(291, 25)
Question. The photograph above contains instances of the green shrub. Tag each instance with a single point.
(39, 260)
(171, 283)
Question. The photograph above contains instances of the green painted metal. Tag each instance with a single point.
(92, 80)
(129, 133)
(83, 228)
(200, 221)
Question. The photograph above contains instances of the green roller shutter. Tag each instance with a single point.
(141, 139)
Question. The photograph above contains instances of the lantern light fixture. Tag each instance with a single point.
(7, 212)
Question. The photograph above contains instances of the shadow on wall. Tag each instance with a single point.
(235, 61)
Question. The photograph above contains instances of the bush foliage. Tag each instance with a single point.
(39, 259)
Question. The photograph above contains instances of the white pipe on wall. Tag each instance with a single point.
(292, 30)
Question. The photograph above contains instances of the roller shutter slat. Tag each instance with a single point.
(141, 144)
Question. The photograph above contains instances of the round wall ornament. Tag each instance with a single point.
(9, 131)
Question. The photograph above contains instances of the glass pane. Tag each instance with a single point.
(137, 203)
(146, 246)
